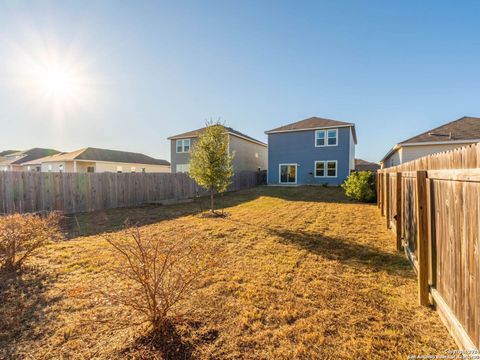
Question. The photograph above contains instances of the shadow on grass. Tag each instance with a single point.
(93, 223)
(22, 304)
(169, 344)
(348, 252)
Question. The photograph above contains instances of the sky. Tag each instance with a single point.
(126, 75)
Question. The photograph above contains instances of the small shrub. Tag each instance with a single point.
(155, 274)
(22, 234)
(360, 186)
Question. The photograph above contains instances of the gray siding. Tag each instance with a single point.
(298, 147)
(179, 158)
(244, 150)
(248, 155)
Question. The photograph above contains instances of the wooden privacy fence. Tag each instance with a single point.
(432, 204)
(81, 192)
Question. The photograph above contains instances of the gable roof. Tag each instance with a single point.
(231, 131)
(363, 165)
(463, 130)
(313, 123)
(33, 154)
(8, 152)
(12, 157)
(96, 154)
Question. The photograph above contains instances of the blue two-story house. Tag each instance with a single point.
(311, 151)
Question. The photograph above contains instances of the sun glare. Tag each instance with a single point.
(56, 83)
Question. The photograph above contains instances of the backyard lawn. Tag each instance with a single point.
(305, 273)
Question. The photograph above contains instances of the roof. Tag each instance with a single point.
(363, 165)
(196, 133)
(34, 154)
(313, 123)
(96, 154)
(8, 152)
(463, 130)
(22, 157)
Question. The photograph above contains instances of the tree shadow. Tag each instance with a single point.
(309, 193)
(349, 252)
(170, 344)
(93, 223)
(22, 304)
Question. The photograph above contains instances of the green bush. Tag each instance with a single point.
(360, 186)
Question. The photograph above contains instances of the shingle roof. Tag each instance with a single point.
(33, 154)
(363, 165)
(313, 123)
(96, 154)
(196, 133)
(8, 152)
(465, 128)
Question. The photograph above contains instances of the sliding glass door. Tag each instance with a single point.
(288, 173)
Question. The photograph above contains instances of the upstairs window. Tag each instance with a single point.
(320, 138)
(183, 146)
(326, 137)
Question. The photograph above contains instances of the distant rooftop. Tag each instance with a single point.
(196, 133)
(96, 154)
(313, 123)
(465, 128)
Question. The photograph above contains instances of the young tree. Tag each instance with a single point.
(210, 161)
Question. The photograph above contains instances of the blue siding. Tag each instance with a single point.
(299, 147)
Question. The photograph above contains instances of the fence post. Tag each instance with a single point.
(382, 197)
(387, 199)
(432, 250)
(421, 203)
(399, 211)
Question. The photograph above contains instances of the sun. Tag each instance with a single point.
(55, 82)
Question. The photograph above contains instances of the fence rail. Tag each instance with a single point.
(82, 192)
(433, 206)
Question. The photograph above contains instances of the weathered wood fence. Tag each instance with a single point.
(432, 204)
(82, 192)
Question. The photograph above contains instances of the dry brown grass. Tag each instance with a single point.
(307, 274)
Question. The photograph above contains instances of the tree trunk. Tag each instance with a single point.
(211, 200)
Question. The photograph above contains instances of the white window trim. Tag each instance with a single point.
(325, 131)
(183, 146)
(325, 166)
(280, 173)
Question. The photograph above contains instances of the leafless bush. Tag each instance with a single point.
(154, 275)
(22, 234)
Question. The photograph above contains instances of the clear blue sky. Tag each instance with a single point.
(153, 69)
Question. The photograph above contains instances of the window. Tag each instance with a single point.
(132, 169)
(332, 137)
(320, 138)
(326, 137)
(119, 169)
(319, 168)
(332, 168)
(90, 169)
(182, 168)
(326, 168)
(287, 174)
(60, 168)
(183, 146)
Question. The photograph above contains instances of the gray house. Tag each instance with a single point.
(249, 153)
(311, 151)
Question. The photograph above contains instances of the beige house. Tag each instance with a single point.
(452, 135)
(249, 153)
(12, 160)
(101, 160)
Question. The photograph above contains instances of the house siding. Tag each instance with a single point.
(298, 147)
(244, 151)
